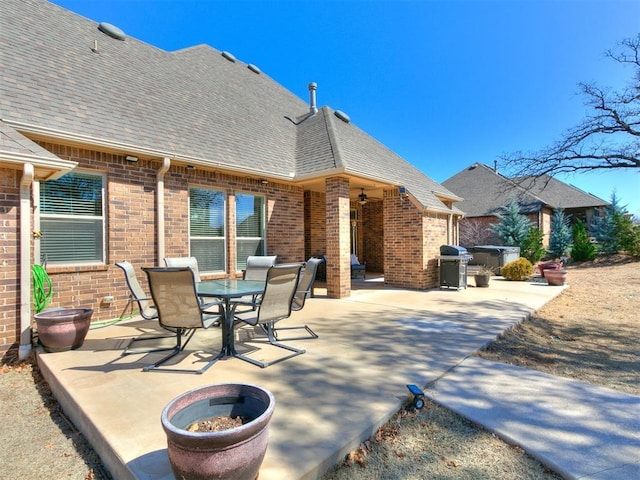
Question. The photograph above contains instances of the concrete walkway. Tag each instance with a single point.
(577, 429)
(350, 381)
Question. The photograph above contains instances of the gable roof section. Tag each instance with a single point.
(559, 194)
(485, 192)
(62, 78)
(17, 149)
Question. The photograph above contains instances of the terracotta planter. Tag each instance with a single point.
(63, 329)
(549, 266)
(481, 280)
(233, 454)
(555, 277)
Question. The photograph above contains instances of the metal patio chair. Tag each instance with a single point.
(192, 263)
(146, 309)
(303, 291)
(256, 269)
(275, 305)
(174, 294)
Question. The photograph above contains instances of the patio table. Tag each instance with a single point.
(227, 290)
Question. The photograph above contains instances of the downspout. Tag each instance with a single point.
(166, 163)
(24, 349)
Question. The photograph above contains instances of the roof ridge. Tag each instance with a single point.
(332, 136)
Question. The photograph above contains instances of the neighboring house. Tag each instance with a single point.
(485, 192)
(112, 149)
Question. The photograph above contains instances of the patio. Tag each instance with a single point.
(327, 400)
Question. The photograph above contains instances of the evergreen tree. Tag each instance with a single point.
(560, 238)
(582, 249)
(605, 228)
(513, 226)
(628, 235)
(532, 248)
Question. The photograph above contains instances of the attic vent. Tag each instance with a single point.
(229, 56)
(254, 69)
(342, 116)
(112, 31)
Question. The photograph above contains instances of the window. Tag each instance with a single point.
(249, 228)
(207, 229)
(72, 219)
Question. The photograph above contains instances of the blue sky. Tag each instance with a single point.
(442, 83)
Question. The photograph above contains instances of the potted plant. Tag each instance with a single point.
(482, 276)
(218, 431)
(59, 329)
(556, 276)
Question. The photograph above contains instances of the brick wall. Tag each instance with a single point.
(372, 228)
(338, 237)
(9, 266)
(131, 230)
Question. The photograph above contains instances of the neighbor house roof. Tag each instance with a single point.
(485, 191)
(63, 78)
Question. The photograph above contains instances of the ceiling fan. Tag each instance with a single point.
(362, 198)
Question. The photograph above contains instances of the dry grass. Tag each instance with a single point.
(590, 333)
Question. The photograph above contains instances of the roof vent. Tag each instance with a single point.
(254, 69)
(342, 116)
(112, 31)
(229, 56)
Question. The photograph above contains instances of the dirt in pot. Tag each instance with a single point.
(216, 424)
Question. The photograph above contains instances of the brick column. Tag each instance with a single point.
(338, 237)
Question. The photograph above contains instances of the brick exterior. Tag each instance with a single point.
(338, 234)
(9, 265)
(394, 236)
(131, 231)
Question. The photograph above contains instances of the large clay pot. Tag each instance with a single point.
(555, 277)
(549, 266)
(233, 454)
(63, 329)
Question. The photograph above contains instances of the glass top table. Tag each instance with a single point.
(227, 290)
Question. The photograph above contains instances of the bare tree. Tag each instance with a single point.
(609, 138)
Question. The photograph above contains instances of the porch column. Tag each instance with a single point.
(338, 237)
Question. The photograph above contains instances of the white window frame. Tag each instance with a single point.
(241, 263)
(202, 265)
(43, 217)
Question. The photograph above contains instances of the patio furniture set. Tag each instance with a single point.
(181, 303)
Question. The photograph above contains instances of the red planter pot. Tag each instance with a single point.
(549, 266)
(63, 329)
(233, 454)
(555, 277)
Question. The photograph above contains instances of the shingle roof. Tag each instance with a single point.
(485, 191)
(559, 194)
(15, 148)
(63, 77)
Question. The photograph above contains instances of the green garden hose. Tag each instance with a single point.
(42, 288)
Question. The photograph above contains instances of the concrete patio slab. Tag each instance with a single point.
(349, 382)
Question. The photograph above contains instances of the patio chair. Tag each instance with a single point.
(357, 269)
(257, 268)
(275, 305)
(304, 290)
(174, 293)
(192, 263)
(146, 308)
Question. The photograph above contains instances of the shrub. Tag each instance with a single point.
(518, 270)
(532, 248)
(628, 235)
(582, 249)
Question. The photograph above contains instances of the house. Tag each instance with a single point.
(113, 149)
(485, 192)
